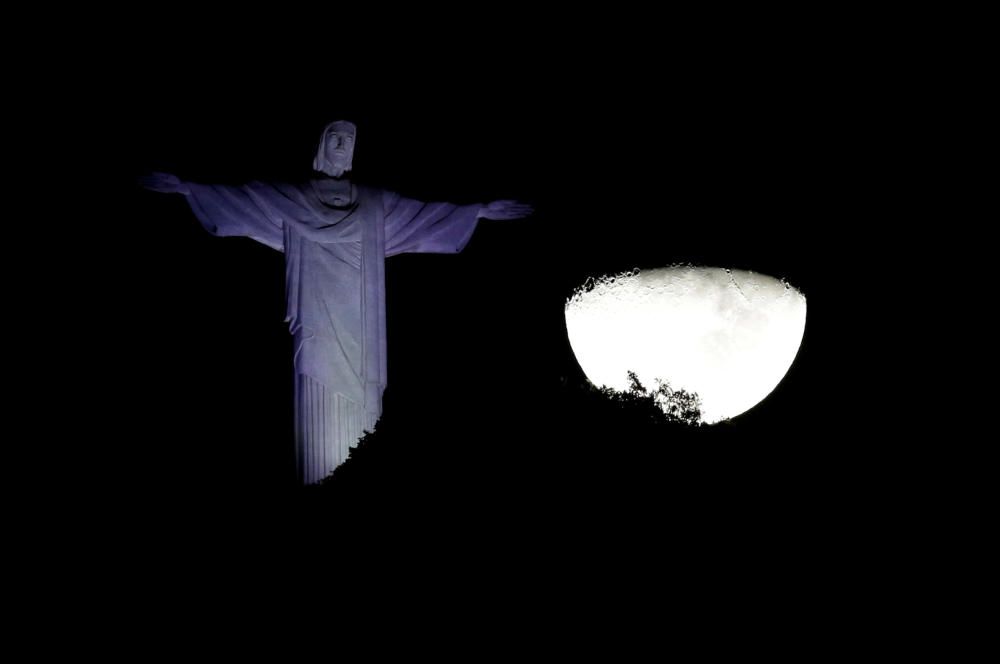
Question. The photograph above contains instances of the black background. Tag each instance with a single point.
(770, 141)
(732, 151)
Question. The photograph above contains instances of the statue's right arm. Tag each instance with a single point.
(225, 210)
(165, 183)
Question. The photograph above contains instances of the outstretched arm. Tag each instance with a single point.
(165, 183)
(226, 211)
(505, 210)
(439, 228)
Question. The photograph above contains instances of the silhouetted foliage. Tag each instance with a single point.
(676, 405)
(563, 438)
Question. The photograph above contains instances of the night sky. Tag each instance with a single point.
(717, 160)
(164, 427)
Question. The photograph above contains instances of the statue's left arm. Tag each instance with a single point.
(438, 228)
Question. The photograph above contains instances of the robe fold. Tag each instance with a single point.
(335, 293)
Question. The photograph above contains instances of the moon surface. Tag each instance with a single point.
(727, 335)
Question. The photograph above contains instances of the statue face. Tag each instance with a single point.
(338, 147)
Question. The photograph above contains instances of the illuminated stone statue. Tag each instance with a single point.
(335, 235)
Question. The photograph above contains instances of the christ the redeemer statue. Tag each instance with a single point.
(335, 235)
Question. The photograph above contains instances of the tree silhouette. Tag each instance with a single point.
(675, 406)
(637, 414)
(678, 405)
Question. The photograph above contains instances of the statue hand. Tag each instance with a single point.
(164, 183)
(505, 210)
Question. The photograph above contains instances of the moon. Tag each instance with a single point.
(729, 336)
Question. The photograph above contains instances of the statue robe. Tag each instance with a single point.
(335, 292)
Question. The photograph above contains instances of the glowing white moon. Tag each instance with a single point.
(728, 335)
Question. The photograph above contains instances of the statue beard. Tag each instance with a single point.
(337, 170)
(330, 167)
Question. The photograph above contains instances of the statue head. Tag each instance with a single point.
(336, 148)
